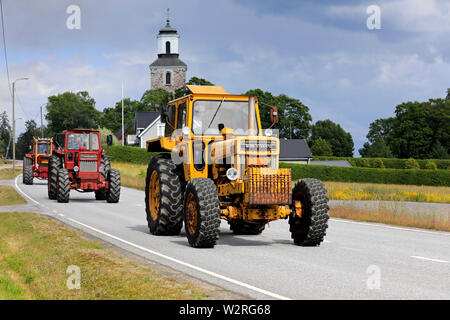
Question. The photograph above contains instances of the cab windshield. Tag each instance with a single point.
(43, 148)
(230, 114)
(89, 141)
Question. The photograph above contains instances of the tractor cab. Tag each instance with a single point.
(35, 163)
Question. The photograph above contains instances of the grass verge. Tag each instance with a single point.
(429, 220)
(8, 174)
(9, 196)
(131, 175)
(35, 253)
(387, 192)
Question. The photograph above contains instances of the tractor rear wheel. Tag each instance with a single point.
(163, 197)
(201, 213)
(63, 192)
(245, 228)
(309, 229)
(113, 193)
(27, 175)
(54, 164)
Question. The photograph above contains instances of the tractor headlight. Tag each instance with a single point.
(232, 174)
(186, 131)
(268, 132)
(76, 169)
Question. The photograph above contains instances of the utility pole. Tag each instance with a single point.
(42, 128)
(14, 124)
(123, 130)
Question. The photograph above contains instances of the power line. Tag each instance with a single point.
(4, 47)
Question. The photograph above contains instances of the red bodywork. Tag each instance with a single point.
(83, 163)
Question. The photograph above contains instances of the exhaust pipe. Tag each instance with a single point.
(252, 116)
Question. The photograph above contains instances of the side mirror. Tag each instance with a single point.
(163, 115)
(109, 140)
(274, 114)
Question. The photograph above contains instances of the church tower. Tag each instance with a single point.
(168, 71)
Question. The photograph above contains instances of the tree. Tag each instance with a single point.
(293, 115)
(25, 139)
(341, 141)
(321, 147)
(184, 91)
(111, 118)
(71, 110)
(378, 148)
(5, 133)
(421, 129)
(153, 100)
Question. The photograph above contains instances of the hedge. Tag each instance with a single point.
(370, 175)
(129, 154)
(392, 163)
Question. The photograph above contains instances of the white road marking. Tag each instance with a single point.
(430, 259)
(210, 273)
(390, 227)
(20, 190)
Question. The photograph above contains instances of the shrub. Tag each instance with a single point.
(364, 162)
(431, 165)
(411, 163)
(378, 163)
(129, 154)
(371, 175)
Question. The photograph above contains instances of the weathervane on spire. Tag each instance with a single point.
(168, 15)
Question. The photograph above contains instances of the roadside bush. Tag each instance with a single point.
(370, 175)
(378, 163)
(129, 154)
(411, 163)
(431, 165)
(364, 163)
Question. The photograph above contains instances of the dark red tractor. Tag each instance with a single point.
(35, 163)
(80, 163)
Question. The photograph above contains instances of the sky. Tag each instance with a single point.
(320, 52)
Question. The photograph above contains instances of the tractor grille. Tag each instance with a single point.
(268, 186)
(43, 162)
(88, 166)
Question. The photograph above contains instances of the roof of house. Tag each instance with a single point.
(149, 126)
(144, 118)
(293, 149)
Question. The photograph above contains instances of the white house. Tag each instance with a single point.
(153, 130)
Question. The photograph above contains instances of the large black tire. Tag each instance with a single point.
(27, 174)
(113, 193)
(54, 164)
(245, 228)
(165, 210)
(310, 229)
(203, 230)
(105, 167)
(63, 192)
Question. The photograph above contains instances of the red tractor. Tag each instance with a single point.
(35, 164)
(81, 164)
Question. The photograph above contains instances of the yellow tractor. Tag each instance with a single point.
(216, 162)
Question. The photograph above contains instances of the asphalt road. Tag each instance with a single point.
(357, 260)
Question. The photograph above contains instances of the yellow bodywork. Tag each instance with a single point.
(35, 149)
(260, 193)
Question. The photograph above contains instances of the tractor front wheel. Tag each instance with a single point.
(201, 213)
(113, 193)
(309, 222)
(63, 186)
(27, 175)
